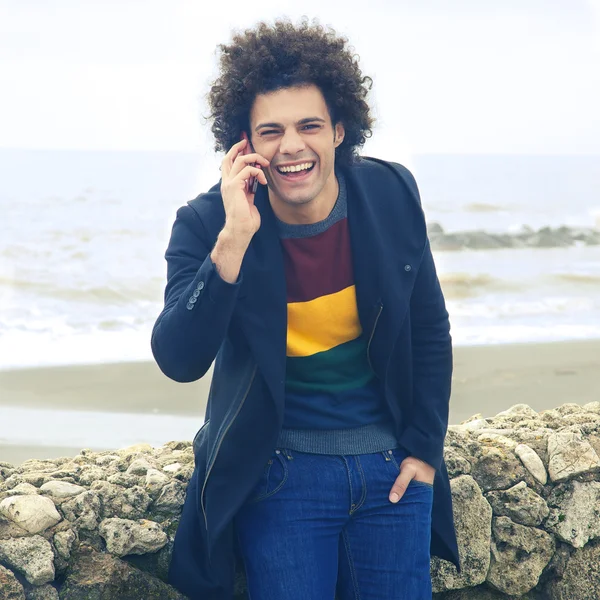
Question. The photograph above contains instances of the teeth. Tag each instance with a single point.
(296, 168)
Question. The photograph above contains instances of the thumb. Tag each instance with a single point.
(407, 473)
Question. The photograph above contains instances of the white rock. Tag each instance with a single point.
(31, 556)
(124, 537)
(135, 448)
(593, 407)
(24, 489)
(532, 462)
(574, 512)
(32, 513)
(172, 468)
(569, 455)
(517, 412)
(474, 425)
(62, 489)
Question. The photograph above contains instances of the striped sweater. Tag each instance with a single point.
(329, 383)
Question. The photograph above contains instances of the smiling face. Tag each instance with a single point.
(292, 129)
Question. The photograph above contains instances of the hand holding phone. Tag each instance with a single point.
(252, 182)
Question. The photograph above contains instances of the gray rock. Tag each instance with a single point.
(497, 469)
(155, 482)
(126, 480)
(31, 556)
(532, 462)
(104, 577)
(171, 499)
(124, 503)
(520, 503)
(497, 439)
(581, 577)
(10, 588)
(43, 592)
(570, 455)
(83, 510)
(124, 536)
(140, 466)
(516, 414)
(519, 555)
(89, 475)
(473, 520)
(481, 592)
(107, 459)
(575, 512)
(61, 489)
(32, 513)
(63, 542)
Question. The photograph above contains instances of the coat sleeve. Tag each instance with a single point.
(432, 367)
(198, 303)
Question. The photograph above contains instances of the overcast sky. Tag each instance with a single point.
(473, 76)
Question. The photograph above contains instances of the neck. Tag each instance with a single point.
(313, 211)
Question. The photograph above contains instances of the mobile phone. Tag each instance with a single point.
(252, 184)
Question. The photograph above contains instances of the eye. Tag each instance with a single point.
(312, 126)
(269, 132)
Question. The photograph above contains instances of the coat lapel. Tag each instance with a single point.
(366, 248)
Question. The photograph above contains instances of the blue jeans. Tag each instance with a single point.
(317, 525)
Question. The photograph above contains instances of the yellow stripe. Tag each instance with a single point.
(322, 323)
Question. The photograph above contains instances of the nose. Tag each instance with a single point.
(291, 143)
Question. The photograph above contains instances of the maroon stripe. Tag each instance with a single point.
(318, 265)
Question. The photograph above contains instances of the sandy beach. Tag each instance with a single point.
(487, 379)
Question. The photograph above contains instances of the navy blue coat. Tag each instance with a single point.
(242, 327)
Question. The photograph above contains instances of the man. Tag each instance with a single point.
(320, 461)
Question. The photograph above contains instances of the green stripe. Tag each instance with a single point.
(342, 368)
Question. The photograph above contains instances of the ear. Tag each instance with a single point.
(340, 132)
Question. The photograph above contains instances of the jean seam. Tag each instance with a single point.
(351, 565)
(364, 485)
(345, 461)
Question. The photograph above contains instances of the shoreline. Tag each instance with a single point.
(487, 379)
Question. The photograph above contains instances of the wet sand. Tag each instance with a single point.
(487, 379)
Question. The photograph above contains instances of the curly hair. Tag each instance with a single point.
(269, 58)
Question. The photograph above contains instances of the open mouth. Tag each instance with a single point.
(296, 171)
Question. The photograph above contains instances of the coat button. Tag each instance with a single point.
(192, 300)
(200, 285)
(196, 293)
(407, 268)
(189, 306)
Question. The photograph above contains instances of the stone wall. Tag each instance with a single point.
(526, 489)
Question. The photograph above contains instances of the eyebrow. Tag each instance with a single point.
(300, 122)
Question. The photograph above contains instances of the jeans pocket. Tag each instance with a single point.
(397, 455)
(273, 478)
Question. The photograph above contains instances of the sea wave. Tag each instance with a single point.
(576, 278)
(116, 293)
(479, 207)
(466, 285)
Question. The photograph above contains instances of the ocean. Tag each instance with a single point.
(83, 235)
